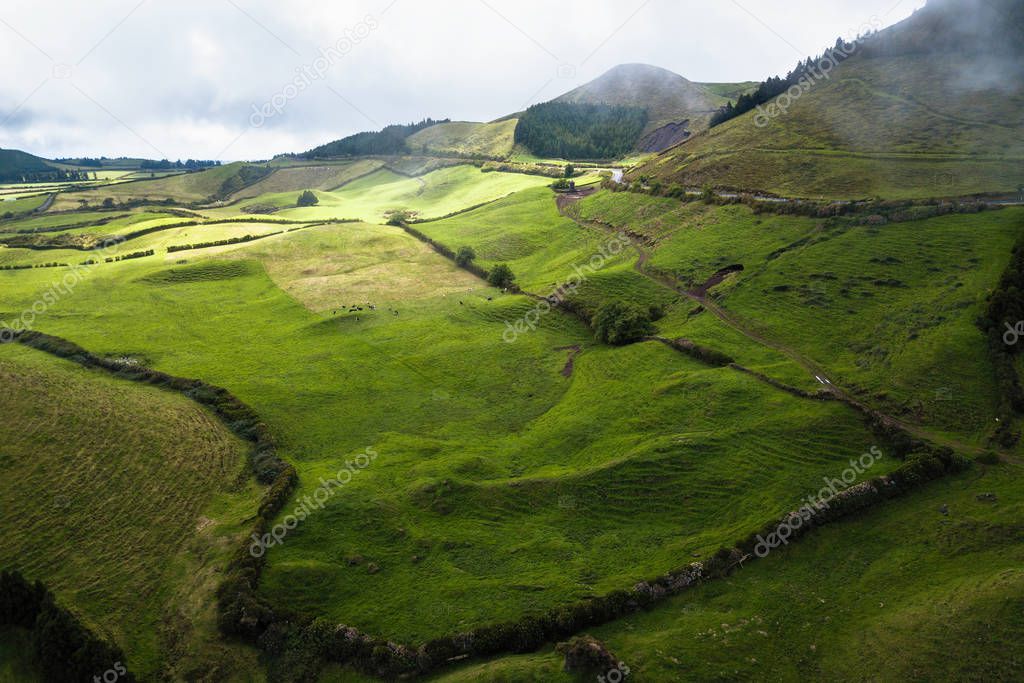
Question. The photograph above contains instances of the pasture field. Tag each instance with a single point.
(330, 267)
(544, 249)
(903, 578)
(185, 188)
(889, 310)
(516, 475)
(22, 205)
(124, 499)
(371, 197)
(479, 440)
(314, 177)
(157, 241)
(492, 140)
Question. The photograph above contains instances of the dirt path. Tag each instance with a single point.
(570, 362)
(45, 206)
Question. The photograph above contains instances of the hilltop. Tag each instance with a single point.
(953, 113)
(672, 102)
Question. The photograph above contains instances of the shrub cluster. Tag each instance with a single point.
(125, 257)
(703, 354)
(27, 266)
(545, 170)
(63, 648)
(220, 243)
(619, 322)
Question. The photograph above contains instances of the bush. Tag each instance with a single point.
(464, 256)
(620, 323)
(587, 655)
(501, 276)
(307, 198)
(398, 217)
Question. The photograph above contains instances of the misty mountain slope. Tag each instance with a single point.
(905, 116)
(667, 96)
(675, 106)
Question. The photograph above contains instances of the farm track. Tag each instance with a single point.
(816, 370)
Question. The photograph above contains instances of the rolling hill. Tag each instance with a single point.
(674, 105)
(953, 113)
(15, 164)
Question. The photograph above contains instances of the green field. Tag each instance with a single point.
(371, 197)
(118, 492)
(492, 140)
(662, 379)
(904, 579)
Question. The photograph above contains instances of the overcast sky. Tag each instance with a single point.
(248, 79)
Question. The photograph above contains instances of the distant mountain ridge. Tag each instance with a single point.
(16, 165)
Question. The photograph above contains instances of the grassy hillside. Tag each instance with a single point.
(889, 311)
(15, 163)
(516, 475)
(463, 138)
(314, 177)
(371, 197)
(130, 534)
(185, 188)
(479, 439)
(909, 122)
(922, 585)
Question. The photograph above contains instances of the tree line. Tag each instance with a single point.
(570, 130)
(63, 649)
(389, 140)
(775, 86)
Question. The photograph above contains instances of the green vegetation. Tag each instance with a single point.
(184, 188)
(923, 583)
(389, 140)
(894, 122)
(418, 414)
(580, 131)
(462, 138)
(17, 166)
(138, 513)
(501, 276)
(620, 323)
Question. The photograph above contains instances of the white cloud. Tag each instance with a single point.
(182, 77)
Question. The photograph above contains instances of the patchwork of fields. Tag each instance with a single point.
(512, 476)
